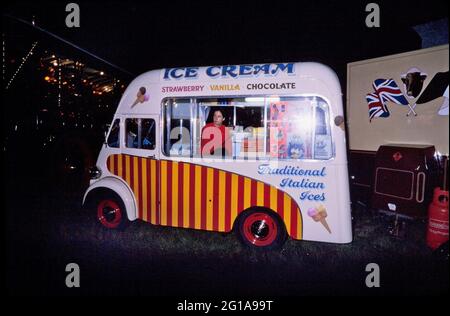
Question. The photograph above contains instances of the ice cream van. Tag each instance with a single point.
(258, 149)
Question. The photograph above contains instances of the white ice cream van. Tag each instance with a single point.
(258, 149)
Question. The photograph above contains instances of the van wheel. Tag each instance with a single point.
(111, 212)
(261, 229)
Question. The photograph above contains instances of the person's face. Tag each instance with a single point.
(218, 118)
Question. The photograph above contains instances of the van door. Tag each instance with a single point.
(141, 153)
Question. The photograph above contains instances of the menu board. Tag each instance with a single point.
(291, 126)
(278, 130)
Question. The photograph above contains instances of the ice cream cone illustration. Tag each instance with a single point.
(141, 97)
(318, 214)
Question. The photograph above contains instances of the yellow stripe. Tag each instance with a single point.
(119, 166)
(163, 192)
(287, 212)
(186, 192)
(144, 185)
(222, 198)
(247, 192)
(299, 225)
(198, 196)
(234, 196)
(153, 187)
(174, 194)
(111, 163)
(260, 193)
(209, 198)
(127, 170)
(273, 198)
(136, 181)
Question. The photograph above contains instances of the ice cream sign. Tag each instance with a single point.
(309, 181)
(311, 186)
(229, 71)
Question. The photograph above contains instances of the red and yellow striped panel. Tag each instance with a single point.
(199, 197)
(142, 175)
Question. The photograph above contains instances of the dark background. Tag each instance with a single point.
(139, 36)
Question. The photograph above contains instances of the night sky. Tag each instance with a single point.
(140, 36)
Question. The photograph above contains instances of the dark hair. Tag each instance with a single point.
(219, 110)
(142, 90)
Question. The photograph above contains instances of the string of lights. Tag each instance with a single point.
(24, 60)
(59, 82)
(3, 57)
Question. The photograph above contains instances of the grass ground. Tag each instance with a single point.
(45, 232)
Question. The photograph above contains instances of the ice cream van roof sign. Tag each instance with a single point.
(229, 71)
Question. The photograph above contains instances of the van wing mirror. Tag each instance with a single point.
(340, 121)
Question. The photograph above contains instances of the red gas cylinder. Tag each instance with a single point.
(437, 232)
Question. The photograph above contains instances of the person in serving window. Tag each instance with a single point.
(216, 139)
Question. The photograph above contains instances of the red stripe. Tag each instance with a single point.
(116, 167)
(149, 185)
(228, 201)
(204, 197)
(169, 193)
(158, 198)
(280, 203)
(266, 195)
(240, 194)
(216, 200)
(181, 167)
(192, 196)
(294, 216)
(254, 197)
(141, 198)
(124, 167)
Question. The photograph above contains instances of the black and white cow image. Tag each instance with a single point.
(413, 82)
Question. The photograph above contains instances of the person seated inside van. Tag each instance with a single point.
(216, 139)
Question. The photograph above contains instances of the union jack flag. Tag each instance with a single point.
(376, 107)
(385, 90)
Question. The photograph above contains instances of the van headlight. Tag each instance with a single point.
(95, 173)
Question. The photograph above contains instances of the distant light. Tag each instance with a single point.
(101, 73)
(46, 78)
(55, 63)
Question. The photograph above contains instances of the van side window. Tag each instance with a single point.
(113, 137)
(140, 133)
(177, 127)
(323, 147)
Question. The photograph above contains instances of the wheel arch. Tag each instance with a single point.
(116, 186)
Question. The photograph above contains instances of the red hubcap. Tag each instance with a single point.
(260, 229)
(109, 213)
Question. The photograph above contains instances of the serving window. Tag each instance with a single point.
(251, 127)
